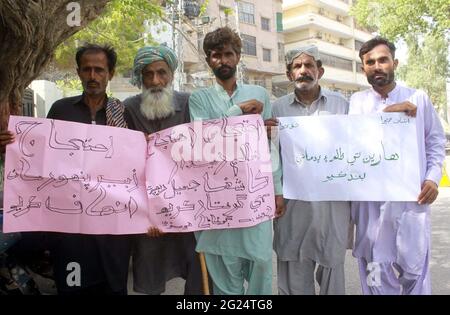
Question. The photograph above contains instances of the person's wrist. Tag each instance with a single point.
(433, 182)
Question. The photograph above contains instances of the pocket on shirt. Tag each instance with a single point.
(412, 241)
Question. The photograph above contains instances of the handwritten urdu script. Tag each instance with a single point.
(78, 178)
(340, 157)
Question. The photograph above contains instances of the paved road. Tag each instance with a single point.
(440, 250)
(440, 255)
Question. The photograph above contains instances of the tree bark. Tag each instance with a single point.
(30, 31)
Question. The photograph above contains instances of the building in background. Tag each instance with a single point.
(28, 105)
(258, 22)
(120, 87)
(45, 94)
(268, 29)
(328, 25)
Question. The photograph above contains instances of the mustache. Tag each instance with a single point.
(379, 73)
(156, 90)
(304, 78)
(225, 67)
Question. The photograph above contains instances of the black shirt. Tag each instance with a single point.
(74, 109)
(103, 259)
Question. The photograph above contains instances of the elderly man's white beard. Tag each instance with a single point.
(157, 103)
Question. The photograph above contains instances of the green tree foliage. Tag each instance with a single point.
(203, 7)
(424, 26)
(427, 67)
(397, 18)
(69, 84)
(122, 26)
(30, 31)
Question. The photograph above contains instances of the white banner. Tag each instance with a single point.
(355, 157)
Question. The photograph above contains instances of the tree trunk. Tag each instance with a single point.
(30, 31)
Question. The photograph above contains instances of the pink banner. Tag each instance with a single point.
(210, 175)
(78, 178)
(71, 177)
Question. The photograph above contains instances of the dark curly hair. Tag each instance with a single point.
(220, 37)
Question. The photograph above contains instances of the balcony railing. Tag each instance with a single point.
(305, 20)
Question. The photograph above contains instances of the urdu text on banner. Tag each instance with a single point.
(350, 157)
(79, 178)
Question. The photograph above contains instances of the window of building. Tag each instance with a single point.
(200, 38)
(224, 15)
(281, 53)
(358, 67)
(267, 55)
(246, 12)
(265, 24)
(358, 45)
(249, 45)
(28, 103)
(191, 9)
(261, 81)
(279, 22)
(336, 62)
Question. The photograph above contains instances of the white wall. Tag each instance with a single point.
(123, 95)
(45, 94)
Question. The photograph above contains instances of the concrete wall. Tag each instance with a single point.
(45, 94)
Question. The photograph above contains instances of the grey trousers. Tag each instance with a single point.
(297, 278)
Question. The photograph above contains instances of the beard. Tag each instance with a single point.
(157, 103)
(224, 72)
(383, 79)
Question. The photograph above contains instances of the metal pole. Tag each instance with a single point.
(239, 73)
(180, 46)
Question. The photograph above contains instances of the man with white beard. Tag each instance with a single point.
(159, 257)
